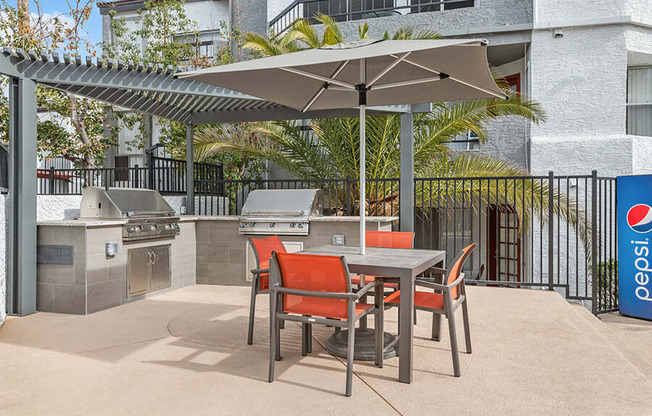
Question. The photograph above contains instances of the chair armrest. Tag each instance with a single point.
(443, 288)
(366, 288)
(436, 270)
(259, 271)
(314, 294)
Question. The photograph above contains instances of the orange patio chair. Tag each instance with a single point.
(385, 239)
(444, 301)
(314, 289)
(263, 248)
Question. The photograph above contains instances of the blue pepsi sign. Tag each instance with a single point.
(634, 201)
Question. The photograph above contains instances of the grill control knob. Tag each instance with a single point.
(272, 225)
(300, 225)
(292, 225)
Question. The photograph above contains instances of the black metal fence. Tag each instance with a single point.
(547, 232)
(345, 10)
(338, 196)
(165, 175)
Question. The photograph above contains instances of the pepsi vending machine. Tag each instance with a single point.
(634, 209)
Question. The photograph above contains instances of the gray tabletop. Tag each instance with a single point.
(382, 261)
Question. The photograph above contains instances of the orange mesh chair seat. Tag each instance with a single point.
(314, 289)
(385, 239)
(369, 278)
(445, 300)
(422, 300)
(263, 249)
(325, 308)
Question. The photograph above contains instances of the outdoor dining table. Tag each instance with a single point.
(406, 264)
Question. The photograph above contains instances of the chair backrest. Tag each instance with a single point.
(264, 247)
(456, 269)
(313, 273)
(389, 239)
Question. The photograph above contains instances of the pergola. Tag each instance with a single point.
(146, 88)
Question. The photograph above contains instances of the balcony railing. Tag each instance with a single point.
(346, 10)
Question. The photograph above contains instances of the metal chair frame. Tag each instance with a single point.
(255, 291)
(450, 306)
(277, 316)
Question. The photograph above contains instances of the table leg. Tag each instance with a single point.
(363, 299)
(405, 342)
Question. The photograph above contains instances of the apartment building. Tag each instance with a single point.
(588, 63)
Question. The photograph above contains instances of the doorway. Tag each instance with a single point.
(503, 244)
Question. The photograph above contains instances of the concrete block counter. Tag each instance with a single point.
(76, 275)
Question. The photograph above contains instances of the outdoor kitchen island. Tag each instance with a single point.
(224, 256)
(207, 250)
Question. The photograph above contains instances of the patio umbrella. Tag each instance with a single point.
(360, 74)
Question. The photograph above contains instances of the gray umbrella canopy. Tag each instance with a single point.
(397, 72)
(361, 73)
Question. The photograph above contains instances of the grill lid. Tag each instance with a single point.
(283, 203)
(120, 203)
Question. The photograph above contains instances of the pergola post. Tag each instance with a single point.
(406, 184)
(21, 282)
(190, 171)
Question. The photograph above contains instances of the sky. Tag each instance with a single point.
(60, 7)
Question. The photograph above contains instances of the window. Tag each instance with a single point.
(639, 101)
(469, 141)
(439, 5)
(121, 168)
(514, 82)
(206, 43)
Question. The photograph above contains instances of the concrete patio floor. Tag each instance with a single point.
(184, 352)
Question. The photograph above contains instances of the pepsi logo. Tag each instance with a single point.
(639, 218)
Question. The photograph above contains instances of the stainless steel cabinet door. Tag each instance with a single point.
(160, 267)
(138, 272)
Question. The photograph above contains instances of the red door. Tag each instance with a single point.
(503, 244)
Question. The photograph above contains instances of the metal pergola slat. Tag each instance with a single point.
(142, 87)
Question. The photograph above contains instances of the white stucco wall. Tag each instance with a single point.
(208, 14)
(66, 207)
(578, 155)
(58, 207)
(3, 257)
(556, 10)
(580, 79)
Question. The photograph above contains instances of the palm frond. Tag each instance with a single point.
(332, 33)
(363, 30)
(265, 45)
(303, 31)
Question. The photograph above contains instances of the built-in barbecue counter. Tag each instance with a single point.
(84, 265)
(225, 258)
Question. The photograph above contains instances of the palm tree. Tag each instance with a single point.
(330, 148)
(303, 35)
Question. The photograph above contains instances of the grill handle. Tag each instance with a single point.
(273, 213)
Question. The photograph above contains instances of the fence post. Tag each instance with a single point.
(150, 170)
(51, 191)
(594, 242)
(136, 177)
(347, 193)
(551, 229)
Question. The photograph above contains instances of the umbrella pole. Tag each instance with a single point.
(363, 204)
(362, 101)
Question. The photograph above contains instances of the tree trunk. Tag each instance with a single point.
(24, 6)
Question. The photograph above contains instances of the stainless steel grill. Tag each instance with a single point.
(280, 211)
(148, 215)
